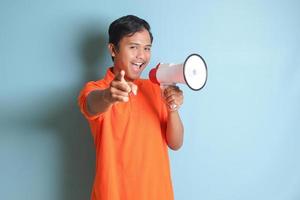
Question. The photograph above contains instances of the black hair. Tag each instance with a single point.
(126, 26)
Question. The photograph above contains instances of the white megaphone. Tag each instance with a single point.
(192, 72)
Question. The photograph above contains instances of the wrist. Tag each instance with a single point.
(172, 107)
(105, 97)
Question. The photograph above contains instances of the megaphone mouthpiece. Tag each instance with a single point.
(152, 75)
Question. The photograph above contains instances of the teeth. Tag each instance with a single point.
(138, 64)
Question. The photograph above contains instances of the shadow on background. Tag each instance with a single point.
(78, 159)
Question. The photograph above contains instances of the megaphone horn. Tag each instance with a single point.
(192, 72)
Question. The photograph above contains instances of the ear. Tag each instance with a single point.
(112, 49)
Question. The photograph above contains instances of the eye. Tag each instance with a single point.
(133, 47)
(147, 49)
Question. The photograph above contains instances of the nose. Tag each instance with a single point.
(140, 53)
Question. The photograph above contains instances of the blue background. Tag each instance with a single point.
(241, 131)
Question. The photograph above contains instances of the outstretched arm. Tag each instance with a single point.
(98, 101)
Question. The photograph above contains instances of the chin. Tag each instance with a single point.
(134, 76)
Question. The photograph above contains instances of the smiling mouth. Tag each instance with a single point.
(138, 65)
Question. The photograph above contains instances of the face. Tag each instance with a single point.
(133, 54)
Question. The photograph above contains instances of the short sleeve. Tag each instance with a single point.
(82, 98)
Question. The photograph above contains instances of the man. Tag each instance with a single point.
(132, 120)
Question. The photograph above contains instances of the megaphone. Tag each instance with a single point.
(192, 72)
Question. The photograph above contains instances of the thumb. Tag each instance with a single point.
(133, 87)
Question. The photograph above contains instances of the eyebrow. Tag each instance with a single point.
(134, 43)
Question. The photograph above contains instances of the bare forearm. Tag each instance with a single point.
(97, 102)
(175, 131)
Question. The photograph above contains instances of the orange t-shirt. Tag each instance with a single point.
(132, 161)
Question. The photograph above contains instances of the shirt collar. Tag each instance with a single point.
(109, 76)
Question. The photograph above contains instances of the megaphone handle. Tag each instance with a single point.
(165, 85)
